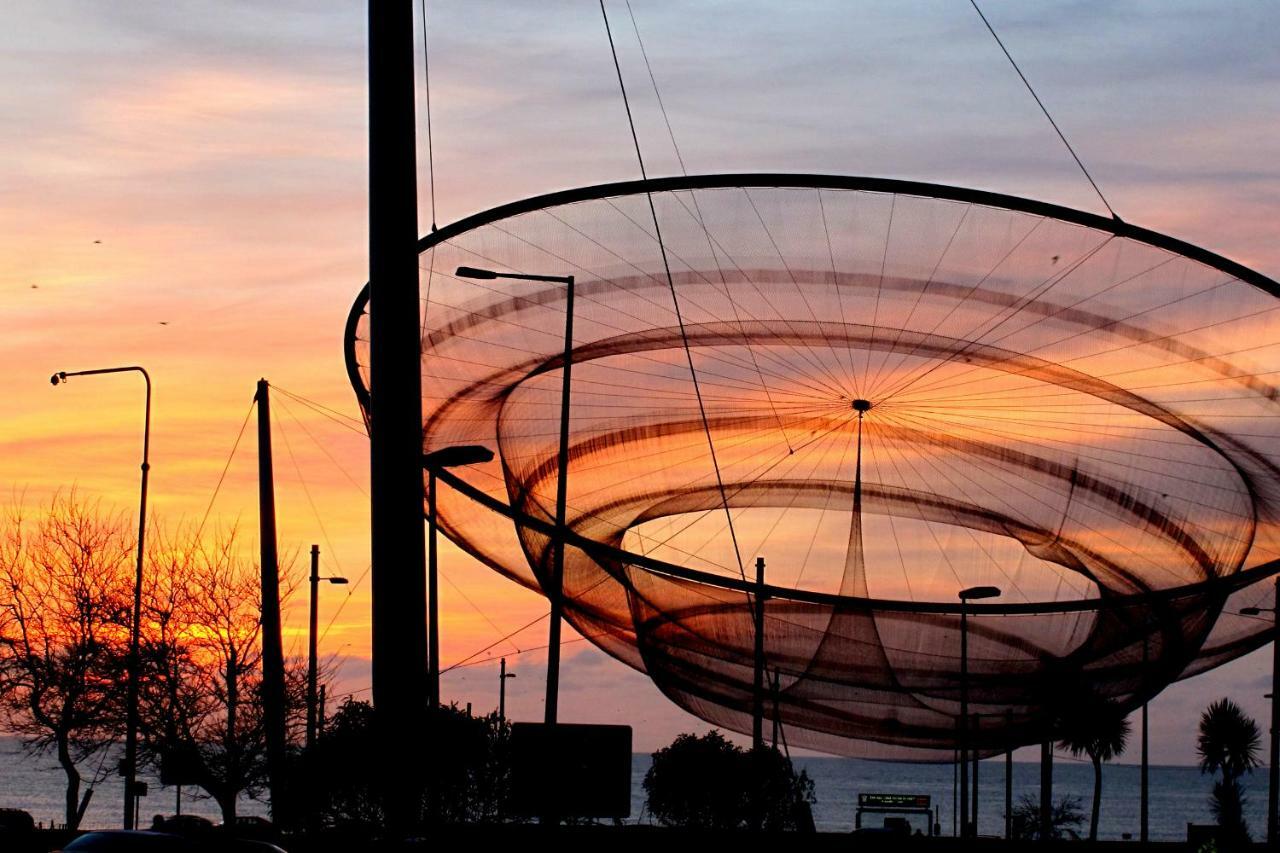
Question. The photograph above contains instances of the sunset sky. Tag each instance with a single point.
(183, 187)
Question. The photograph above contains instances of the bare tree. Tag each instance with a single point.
(65, 584)
(203, 659)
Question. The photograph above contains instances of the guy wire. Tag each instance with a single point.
(653, 212)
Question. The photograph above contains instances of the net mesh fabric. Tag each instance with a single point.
(1057, 408)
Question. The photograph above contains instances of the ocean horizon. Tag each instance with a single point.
(1178, 795)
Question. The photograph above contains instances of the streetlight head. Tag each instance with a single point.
(337, 580)
(60, 376)
(976, 592)
(472, 272)
(452, 457)
(1250, 611)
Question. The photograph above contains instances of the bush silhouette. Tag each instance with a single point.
(708, 783)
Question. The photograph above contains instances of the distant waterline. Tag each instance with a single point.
(1178, 794)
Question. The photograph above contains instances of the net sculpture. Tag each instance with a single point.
(890, 391)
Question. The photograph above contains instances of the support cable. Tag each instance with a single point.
(653, 212)
(223, 476)
(426, 85)
(1045, 110)
(653, 80)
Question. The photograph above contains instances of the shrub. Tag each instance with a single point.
(708, 783)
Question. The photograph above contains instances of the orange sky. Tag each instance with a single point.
(218, 153)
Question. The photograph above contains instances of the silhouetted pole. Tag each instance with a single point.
(1273, 771)
(313, 714)
(311, 648)
(555, 582)
(775, 687)
(503, 675)
(321, 713)
(433, 598)
(132, 665)
(432, 463)
(1144, 804)
(1008, 793)
(1046, 788)
(395, 409)
(311, 811)
(312, 641)
(272, 652)
(955, 781)
(964, 719)
(972, 593)
(562, 497)
(757, 697)
(974, 814)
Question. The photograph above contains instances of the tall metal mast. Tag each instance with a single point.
(395, 408)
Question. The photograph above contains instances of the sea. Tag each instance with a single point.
(1178, 795)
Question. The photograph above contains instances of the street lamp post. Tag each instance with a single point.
(1273, 770)
(448, 457)
(503, 675)
(131, 689)
(312, 639)
(973, 593)
(556, 579)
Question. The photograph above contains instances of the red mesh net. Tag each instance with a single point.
(1075, 411)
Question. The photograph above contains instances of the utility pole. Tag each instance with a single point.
(1046, 788)
(974, 753)
(272, 653)
(503, 675)
(395, 408)
(1008, 781)
(757, 702)
(1273, 771)
(313, 609)
(312, 641)
(775, 689)
(1144, 804)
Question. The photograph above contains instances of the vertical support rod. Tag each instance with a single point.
(399, 641)
(1008, 794)
(964, 719)
(311, 648)
(775, 688)
(955, 780)
(433, 598)
(272, 651)
(973, 820)
(1273, 771)
(1144, 791)
(312, 815)
(135, 630)
(1046, 788)
(502, 690)
(1008, 780)
(554, 593)
(321, 712)
(757, 698)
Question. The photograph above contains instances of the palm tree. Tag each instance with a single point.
(1230, 742)
(1098, 728)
